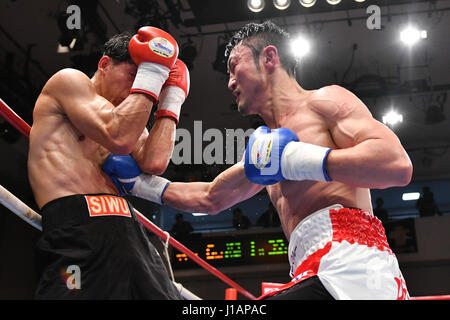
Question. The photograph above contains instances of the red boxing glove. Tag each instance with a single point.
(154, 51)
(174, 92)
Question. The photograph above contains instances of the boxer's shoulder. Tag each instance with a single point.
(69, 85)
(62, 86)
(334, 92)
(67, 79)
(333, 102)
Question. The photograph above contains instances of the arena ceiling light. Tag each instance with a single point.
(360, 0)
(392, 118)
(281, 4)
(411, 35)
(408, 196)
(300, 46)
(199, 214)
(256, 5)
(333, 2)
(63, 48)
(307, 3)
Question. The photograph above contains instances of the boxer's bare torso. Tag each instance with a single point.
(74, 123)
(62, 160)
(365, 153)
(295, 200)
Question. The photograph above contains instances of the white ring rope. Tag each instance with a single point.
(166, 252)
(24, 212)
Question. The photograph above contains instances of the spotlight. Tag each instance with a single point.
(408, 196)
(300, 47)
(392, 118)
(411, 35)
(66, 45)
(281, 4)
(360, 0)
(198, 214)
(256, 5)
(333, 2)
(62, 49)
(307, 3)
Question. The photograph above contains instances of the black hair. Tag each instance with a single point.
(117, 47)
(256, 36)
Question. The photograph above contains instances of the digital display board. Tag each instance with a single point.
(239, 249)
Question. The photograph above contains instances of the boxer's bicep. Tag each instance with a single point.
(367, 154)
(87, 111)
(113, 127)
(356, 128)
(348, 119)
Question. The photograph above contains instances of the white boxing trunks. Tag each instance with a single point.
(348, 251)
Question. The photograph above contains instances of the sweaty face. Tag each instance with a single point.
(245, 80)
(118, 80)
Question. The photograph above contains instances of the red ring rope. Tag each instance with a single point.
(9, 115)
(442, 297)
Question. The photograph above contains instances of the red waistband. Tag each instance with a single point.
(351, 225)
(358, 226)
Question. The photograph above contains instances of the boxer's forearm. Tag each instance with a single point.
(157, 150)
(227, 189)
(374, 163)
(189, 197)
(116, 128)
(124, 124)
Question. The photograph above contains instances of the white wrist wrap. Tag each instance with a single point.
(171, 99)
(304, 161)
(150, 187)
(150, 78)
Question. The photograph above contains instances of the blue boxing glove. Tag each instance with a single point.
(263, 154)
(123, 171)
(276, 155)
(129, 179)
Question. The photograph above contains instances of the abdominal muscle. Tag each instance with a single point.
(62, 162)
(295, 200)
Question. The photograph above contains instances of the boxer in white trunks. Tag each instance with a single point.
(318, 158)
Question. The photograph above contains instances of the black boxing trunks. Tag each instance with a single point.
(93, 247)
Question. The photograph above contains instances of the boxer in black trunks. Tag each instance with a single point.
(77, 122)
